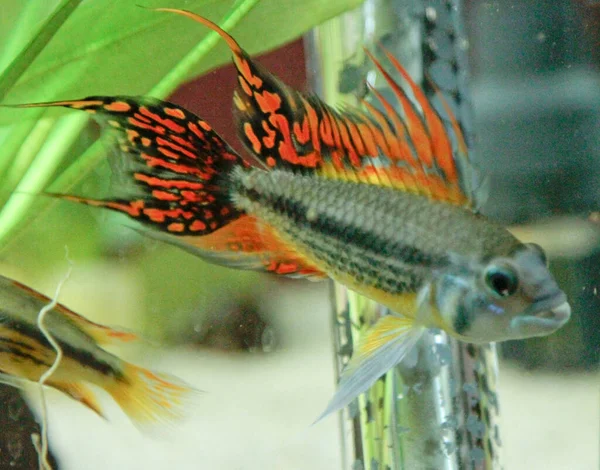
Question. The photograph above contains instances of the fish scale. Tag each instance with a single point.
(373, 234)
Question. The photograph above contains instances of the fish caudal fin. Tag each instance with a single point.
(151, 398)
(180, 168)
(177, 164)
(380, 349)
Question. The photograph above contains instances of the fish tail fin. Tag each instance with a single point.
(176, 166)
(151, 398)
(381, 348)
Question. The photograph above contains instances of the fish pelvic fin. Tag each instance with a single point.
(150, 398)
(381, 348)
(174, 163)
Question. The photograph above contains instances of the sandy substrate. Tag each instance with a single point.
(257, 410)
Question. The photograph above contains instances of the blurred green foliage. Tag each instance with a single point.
(69, 49)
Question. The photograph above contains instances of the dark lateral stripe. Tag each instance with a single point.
(462, 320)
(19, 344)
(16, 352)
(348, 234)
(364, 267)
(81, 356)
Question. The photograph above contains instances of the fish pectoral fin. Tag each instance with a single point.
(382, 347)
(80, 392)
(150, 398)
(101, 334)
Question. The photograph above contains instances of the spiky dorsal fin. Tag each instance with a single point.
(288, 129)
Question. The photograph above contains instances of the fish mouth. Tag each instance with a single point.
(561, 313)
(544, 316)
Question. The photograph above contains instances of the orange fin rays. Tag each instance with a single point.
(80, 393)
(232, 43)
(151, 399)
(441, 147)
(247, 244)
(284, 128)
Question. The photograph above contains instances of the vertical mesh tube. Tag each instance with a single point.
(439, 408)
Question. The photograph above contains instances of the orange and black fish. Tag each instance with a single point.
(368, 197)
(25, 354)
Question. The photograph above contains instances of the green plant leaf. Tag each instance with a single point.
(36, 44)
(118, 53)
(115, 47)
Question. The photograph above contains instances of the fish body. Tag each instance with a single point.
(377, 200)
(382, 242)
(25, 354)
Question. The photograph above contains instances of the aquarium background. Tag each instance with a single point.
(262, 347)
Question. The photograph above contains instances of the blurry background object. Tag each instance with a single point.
(536, 91)
(258, 408)
(439, 407)
(17, 425)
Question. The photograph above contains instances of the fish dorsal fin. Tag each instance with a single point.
(101, 334)
(288, 129)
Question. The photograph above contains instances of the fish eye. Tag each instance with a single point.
(501, 280)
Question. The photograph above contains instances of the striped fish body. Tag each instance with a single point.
(379, 241)
(26, 354)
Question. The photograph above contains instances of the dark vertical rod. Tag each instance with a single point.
(438, 409)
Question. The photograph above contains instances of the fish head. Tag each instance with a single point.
(503, 298)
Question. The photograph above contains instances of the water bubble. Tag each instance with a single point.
(475, 426)
(450, 422)
(477, 456)
(431, 14)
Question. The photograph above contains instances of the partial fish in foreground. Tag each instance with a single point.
(372, 200)
(25, 354)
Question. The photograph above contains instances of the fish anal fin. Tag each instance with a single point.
(80, 392)
(381, 348)
(246, 243)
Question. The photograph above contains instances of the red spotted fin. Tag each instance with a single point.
(288, 129)
(181, 167)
